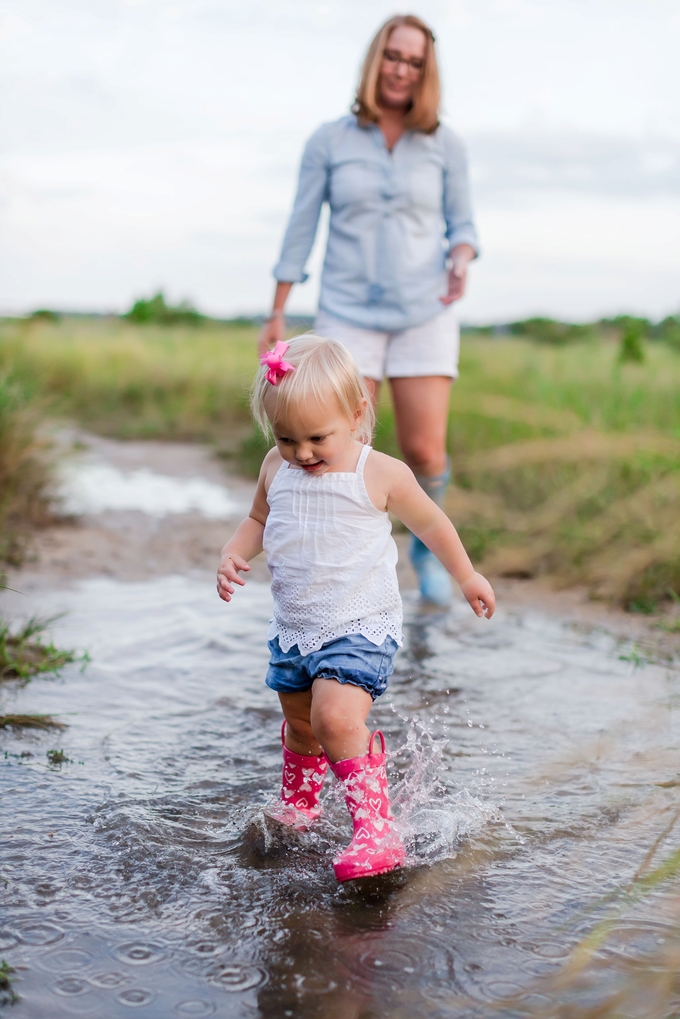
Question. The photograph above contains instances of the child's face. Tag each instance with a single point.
(317, 438)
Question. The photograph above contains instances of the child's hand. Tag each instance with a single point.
(227, 575)
(479, 594)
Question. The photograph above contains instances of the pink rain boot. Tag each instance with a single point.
(376, 846)
(301, 785)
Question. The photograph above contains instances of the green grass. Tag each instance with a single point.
(30, 722)
(7, 994)
(566, 457)
(23, 653)
(134, 382)
(567, 463)
(24, 470)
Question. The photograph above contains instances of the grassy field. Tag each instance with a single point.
(24, 470)
(566, 458)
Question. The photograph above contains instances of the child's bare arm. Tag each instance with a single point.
(246, 542)
(407, 501)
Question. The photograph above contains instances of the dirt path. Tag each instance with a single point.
(130, 544)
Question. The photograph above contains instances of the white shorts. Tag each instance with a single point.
(428, 349)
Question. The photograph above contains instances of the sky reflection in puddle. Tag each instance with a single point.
(90, 488)
(526, 766)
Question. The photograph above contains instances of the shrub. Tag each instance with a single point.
(547, 330)
(155, 311)
(44, 315)
(669, 331)
(631, 348)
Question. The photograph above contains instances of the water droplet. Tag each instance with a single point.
(65, 959)
(40, 934)
(195, 1009)
(71, 986)
(139, 953)
(109, 979)
(135, 997)
(238, 978)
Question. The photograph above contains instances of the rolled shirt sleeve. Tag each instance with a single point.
(312, 192)
(460, 228)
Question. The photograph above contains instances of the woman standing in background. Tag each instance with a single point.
(400, 238)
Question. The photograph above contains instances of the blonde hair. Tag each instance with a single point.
(324, 370)
(424, 112)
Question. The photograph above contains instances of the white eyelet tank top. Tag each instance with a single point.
(332, 558)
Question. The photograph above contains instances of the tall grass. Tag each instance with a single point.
(568, 463)
(24, 470)
(122, 380)
(566, 458)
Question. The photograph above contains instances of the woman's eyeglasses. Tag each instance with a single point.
(412, 64)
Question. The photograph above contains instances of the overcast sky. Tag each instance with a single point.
(146, 144)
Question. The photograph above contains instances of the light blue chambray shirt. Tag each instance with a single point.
(394, 217)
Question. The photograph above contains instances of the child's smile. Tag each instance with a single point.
(317, 439)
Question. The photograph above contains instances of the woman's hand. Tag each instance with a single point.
(227, 575)
(273, 331)
(479, 593)
(458, 263)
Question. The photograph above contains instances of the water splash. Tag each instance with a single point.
(150, 868)
(432, 816)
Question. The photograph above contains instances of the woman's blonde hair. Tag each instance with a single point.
(424, 112)
(323, 370)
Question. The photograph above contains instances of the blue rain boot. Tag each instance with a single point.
(433, 579)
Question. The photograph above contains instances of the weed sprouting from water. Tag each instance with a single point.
(57, 757)
(634, 656)
(23, 654)
(607, 974)
(8, 995)
(30, 722)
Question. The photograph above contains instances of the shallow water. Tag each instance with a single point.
(87, 486)
(535, 773)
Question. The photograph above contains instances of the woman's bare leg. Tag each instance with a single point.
(421, 410)
(373, 387)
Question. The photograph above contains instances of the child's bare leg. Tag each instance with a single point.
(299, 736)
(338, 718)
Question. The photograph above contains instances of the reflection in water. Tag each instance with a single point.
(87, 487)
(535, 773)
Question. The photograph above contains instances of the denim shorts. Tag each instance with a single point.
(351, 659)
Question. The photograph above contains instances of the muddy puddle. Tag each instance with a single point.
(536, 772)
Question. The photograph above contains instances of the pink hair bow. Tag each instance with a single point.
(273, 359)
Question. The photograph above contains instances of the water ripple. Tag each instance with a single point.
(534, 775)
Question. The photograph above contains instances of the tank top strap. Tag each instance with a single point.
(276, 480)
(363, 457)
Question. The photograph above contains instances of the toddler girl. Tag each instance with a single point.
(321, 515)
